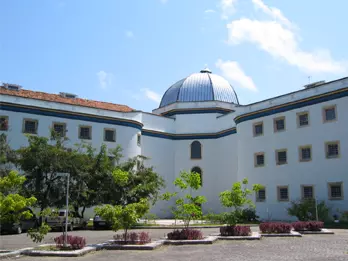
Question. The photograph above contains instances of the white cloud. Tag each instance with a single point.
(227, 8)
(282, 42)
(209, 11)
(273, 12)
(233, 72)
(104, 78)
(129, 34)
(151, 95)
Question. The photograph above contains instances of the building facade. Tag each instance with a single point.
(295, 145)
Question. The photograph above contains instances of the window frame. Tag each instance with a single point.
(277, 157)
(327, 149)
(298, 119)
(201, 150)
(303, 193)
(300, 148)
(6, 122)
(90, 132)
(60, 123)
(258, 199)
(256, 165)
(36, 126)
(275, 124)
(324, 113)
(114, 134)
(278, 193)
(139, 139)
(254, 129)
(330, 184)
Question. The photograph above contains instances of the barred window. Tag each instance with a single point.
(330, 113)
(335, 190)
(109, 135)
(139, 139)
(30, 126)
(281, 157)
(307, 192)
(303, 119)
(261, 195)
(332, 149)
(305, 153)
(258, 129)
(3, 123)
(59, 128)
(283, 194)
(85, 132)
(279, 124)
(259, 159)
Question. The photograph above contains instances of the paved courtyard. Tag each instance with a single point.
(309, 248)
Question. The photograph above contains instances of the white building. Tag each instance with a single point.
(295, 145)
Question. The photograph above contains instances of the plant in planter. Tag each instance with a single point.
(74, 242)
(275, 227)
(134, 238)
(237, 198)
(187, 207)
(308, 226)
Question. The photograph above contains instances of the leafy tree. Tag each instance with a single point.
(237, 198)
(305, 210)
(41, 162)
(7, 156)
(11, 203)
(187, 207)
(123, 217)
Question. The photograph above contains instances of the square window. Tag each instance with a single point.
(302, 119)
(332, 149)
(85, 132)
(306, 153)
(279, 124)
(281, 157)
(329, 114)
(258, 129)
(109, 135)
(30, 126)
(259, 159)
(307, 192)
(139, 139)
(336, 190)
(3, 123)
(59, 128)
(283, 194)
(261, 195)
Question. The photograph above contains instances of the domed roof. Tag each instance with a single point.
(202, 86)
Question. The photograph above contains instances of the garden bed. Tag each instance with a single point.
(121, 245)
(52, 250)
(204, 241)
(252, 236)
(278, 229)
(323, 231)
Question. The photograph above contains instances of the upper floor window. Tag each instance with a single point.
(3, 123)
(332, 149)
(307, 192)
(139, 139)
(258, 128)
(196, 150)
(59, 128)
(85, 132)
(305, 153)
(279, 124)
(30, 126)
(109, 135)
(259, 159)
(329, 113)
(199, 171)
(281, 157)
(302, 119)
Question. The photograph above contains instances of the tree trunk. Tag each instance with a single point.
(83, 211)
(125, 235)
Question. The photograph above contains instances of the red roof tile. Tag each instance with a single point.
(73, 101)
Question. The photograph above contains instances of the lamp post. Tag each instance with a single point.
(67, 207)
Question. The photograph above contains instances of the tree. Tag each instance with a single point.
(7, 156)
(305, 210)
(237, 198)
(11, 202)
(41, 162)
(187, 207)
(126, 215)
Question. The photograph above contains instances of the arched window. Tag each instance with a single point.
(199, 171)
(196, 150)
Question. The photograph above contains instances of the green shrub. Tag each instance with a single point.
(305, 210)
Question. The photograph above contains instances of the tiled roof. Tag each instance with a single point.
(73, 101)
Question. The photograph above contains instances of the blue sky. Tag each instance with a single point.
(131, 51)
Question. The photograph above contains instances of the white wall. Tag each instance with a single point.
(317, 172)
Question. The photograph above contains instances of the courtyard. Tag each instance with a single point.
(309, 247)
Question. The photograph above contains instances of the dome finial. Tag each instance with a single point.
(206, 69)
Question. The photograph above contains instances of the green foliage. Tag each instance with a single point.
(305, 210)
(214, 218)
(237, 198)
(7, 156)
(187, 207)
(123, 217)
(11, 203)
(38, 234)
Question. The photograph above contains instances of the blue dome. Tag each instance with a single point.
(197, 87)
